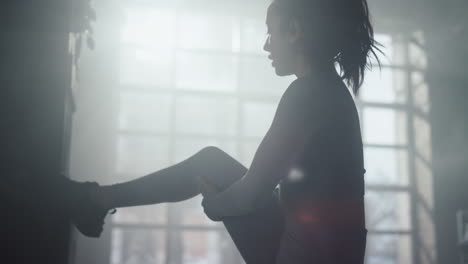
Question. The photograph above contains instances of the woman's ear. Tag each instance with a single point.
(295, 31)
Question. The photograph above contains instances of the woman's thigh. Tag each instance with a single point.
(321, 246)
(258, 235)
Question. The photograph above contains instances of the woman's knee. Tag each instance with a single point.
(214, 154)
(210, 151)
(220, 167)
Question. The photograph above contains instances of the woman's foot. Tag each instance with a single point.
(86, 213)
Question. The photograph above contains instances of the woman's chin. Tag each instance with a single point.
(280, 72)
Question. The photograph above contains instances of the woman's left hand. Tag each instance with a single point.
(209, 204)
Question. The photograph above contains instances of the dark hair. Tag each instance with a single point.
(340, 29)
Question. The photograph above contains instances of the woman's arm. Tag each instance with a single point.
(298, 116)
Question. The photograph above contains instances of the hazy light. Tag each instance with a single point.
(295, 175)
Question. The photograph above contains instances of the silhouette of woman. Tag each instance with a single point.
(312, 151)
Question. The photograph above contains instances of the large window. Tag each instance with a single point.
(191, 77)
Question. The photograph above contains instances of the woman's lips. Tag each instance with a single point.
(272, 60)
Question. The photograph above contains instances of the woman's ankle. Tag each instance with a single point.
(102, 196)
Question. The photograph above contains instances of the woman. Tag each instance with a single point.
(313, 149)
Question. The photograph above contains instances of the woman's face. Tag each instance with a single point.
(279, 44)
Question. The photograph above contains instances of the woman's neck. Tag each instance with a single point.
(305, 68)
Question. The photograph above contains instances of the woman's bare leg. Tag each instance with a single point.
(175, 183)
(257, 236)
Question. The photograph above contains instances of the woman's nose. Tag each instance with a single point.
(266, 46)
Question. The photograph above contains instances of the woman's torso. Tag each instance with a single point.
(326, 179)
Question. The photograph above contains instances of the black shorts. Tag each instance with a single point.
(271, 236)
(302, 244)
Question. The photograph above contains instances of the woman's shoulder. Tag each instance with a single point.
(326, 98)
(303, 99)
(308, 89)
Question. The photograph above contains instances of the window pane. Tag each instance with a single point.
(231, 148)
(384, 126)
(388, 249)
(209, 72)
(400, 45)
(387, 48)
(138, 246)
(417, 55)
(146, 67)
(149, 27)
(156, 214)
(199, 31)
(425, 188)
(258, 76)
(387, 210)
(420, 90)
(385, 85)
(248, 151)
(145, 111)
(208, 248)
(257, 117)
(422, 139)
(386, 166)
(253, 35)
(141, 155)
(206, 115)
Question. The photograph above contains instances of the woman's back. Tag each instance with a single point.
(331, 163)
